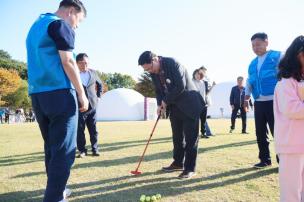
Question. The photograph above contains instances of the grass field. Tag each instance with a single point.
(224, 167)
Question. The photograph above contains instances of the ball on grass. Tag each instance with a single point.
(153, 198)
(158, 196)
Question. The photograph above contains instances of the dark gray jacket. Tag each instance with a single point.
(179, 90)
(94, 89)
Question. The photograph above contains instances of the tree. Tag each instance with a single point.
(117, 80)
(8, 63)
(18, 98)
(9, 82)
(145, 85)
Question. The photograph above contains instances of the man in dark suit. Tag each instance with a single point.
(93, 88)
(176, 92)
(237, 97)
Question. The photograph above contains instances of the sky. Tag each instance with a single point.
(213, 33)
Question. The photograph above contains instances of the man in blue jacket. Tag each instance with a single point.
(262, 79)
(175, 90)
(237, 97)
(53, 77)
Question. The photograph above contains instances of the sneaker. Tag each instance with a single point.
(95, 153)
(262, 165)
(231, 130)
(66, 193)
(186, 175)
(82, 155)
(204, 136)
(172, 168)
(244, 132)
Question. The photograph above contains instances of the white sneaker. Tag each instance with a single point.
(66, 193)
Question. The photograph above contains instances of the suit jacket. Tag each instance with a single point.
(179, 89)
(94, 89)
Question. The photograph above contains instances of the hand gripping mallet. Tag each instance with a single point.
(136, 172)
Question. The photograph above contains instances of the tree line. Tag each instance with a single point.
(14, 86)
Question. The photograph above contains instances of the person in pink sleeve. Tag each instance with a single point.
(289, 122)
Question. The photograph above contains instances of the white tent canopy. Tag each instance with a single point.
(122, 105)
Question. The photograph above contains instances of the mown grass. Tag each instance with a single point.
(224, 167)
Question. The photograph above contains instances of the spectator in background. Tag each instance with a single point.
(205, 78)
(237, 97)
(202, 88)
(93, 89)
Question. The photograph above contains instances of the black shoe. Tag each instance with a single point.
(82, 154)
(95, 153)
(172, 168)
(186, 175)
(231, 130)
(204, 136)
(244, 132)
(278, 159)
(262, 165)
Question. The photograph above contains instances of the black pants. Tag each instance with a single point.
(263, 115)
(185, 139)
(87, 118)
(243, 116)
(203, 118)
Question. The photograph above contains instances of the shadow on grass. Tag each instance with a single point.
(131, 190)
(157, 156)
(24, 196)
(21, 159)
(124, 145)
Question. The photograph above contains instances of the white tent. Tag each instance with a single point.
(220, 96)
(125, 105)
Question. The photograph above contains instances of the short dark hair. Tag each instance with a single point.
(146, 58)
(195, 71)
(290, 65)
(203, 68)
(240, 77)
(78, 5)
(80, 56)
(260, 35)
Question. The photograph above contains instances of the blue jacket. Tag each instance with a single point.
(45, 70)
(264, 82)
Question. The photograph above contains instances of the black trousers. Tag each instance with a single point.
(185, 139)
(203, 118)
(263, 115)
(88, 119)
(243, 116)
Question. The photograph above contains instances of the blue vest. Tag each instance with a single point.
(45, 70)
(264, 82)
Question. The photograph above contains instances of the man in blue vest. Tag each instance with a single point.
(262, 78)
(53, 77)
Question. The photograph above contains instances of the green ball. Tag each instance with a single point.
(158, 196)
(142, 198)
(148, 199)
(153, 198)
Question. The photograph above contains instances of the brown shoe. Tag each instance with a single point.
(172, 168)
(186, 175)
